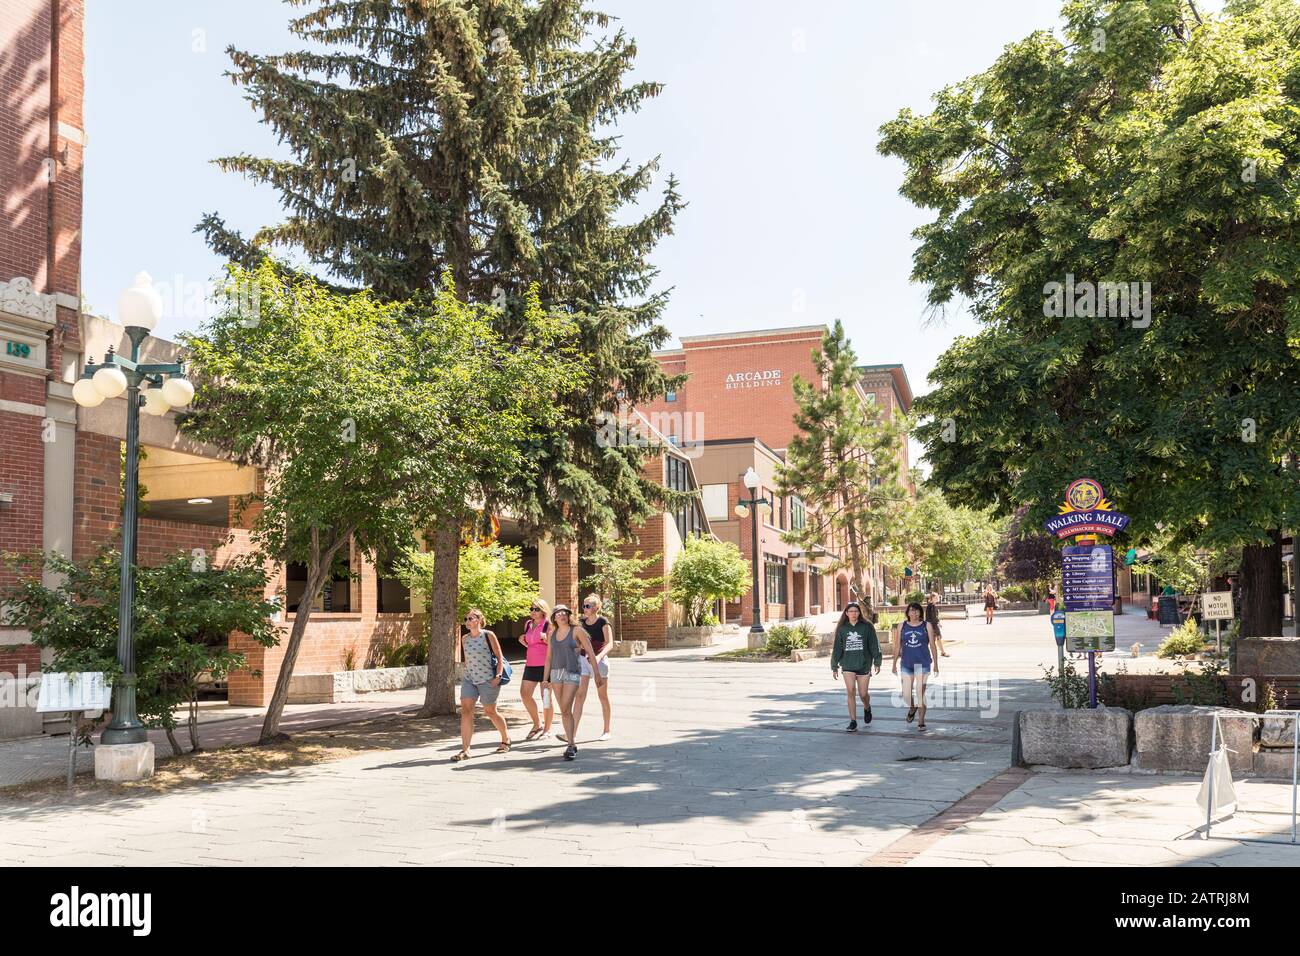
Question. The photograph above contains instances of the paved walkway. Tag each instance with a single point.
(711, 763)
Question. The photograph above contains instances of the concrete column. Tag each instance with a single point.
(59, 433)
(546, 571)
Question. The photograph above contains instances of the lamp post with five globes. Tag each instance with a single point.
(157, 387)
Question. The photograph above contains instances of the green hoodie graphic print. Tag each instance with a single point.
(856, 647)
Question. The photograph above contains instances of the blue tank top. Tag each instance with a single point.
(916, 643)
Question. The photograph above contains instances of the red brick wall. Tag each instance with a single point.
(651, 627)
(740, 411)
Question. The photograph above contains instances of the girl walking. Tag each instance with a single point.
(564, 670)
(534, 641)
(990, 605)
(594, 665)
(932, 618)
(482, 681)
(916, 640)
(857, 650)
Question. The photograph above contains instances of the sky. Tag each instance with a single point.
(769, 120)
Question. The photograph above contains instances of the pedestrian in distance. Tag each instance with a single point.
(534, 641)
(482, 681)
(990, 605)
(915, 643)
(932, 617)
(1051, 602)
(857, 651)
(594, 666)
(564, 670)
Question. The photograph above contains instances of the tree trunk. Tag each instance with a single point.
(439, 693)
(271, 724)
(176, 745)
(1261, 588)
(194, 724)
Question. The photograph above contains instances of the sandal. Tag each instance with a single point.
(535, 732)
(921, 726)
(504, 747)
(463, 755)
(911, 715)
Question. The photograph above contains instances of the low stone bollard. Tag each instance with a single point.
(1083, 738)
(1177, 737)
(1277, 730)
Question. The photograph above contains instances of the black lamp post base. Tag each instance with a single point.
(124, 735)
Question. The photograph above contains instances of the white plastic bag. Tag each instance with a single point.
(1225, 794)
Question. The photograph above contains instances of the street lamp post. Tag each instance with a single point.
(749, 506)
(164, 387)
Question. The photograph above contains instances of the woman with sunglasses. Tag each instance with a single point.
(482, 681)
(857, 651)
(916, 639)
(564, 653)
(594, 666)
(534, 641)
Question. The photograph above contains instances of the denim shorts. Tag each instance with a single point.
(485, 692)
(565, 677)
(586, 668)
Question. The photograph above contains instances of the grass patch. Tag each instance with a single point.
(750, 654)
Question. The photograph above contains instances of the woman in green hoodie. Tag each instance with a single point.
(857, 651)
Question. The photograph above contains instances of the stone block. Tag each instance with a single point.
(1177, 737)
(1082, 738)
(627, 649)
(705, 636)
(1277, 732)
(123, 763)
(312, 689)
(1272, 763)
(1271, 656)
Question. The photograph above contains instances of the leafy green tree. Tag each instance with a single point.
(1188, 569)
(947, 543)
(1155, 149)
(707, 571)
(474, 138)
(370, 420)
(844, 462)
(492, 578)
(618, 579)
(184, 617)
(1028, 556)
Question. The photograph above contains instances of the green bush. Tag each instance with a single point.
(1072, 685)
(705, 572)
(917, 596)
(1183, 641)
(784, 638)
(1014, 592)
(887, 621)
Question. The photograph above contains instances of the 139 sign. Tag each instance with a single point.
(20, 349)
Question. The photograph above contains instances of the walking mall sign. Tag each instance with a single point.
(1086, 511)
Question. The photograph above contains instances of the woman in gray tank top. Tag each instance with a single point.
(564, 669)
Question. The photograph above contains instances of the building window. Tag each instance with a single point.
(677, 477)
(336, 597)
(774, 573)
(798, 517)
(394, 597)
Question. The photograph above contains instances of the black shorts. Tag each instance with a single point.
(535, 673)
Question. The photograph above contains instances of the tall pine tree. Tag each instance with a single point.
(473, 138)
(844, 462)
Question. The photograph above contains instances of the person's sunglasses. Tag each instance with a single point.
(585, 606)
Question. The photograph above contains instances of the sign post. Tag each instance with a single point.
(1058, 631)
(1088, 572)
(1216, 606)
(74, 693)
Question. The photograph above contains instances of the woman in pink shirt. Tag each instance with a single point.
(534, 639)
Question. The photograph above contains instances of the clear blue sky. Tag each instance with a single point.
(769, 120)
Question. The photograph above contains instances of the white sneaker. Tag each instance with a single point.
(604, 736)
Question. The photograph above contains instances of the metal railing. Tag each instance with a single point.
(1294, 717)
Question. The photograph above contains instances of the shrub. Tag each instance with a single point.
(887, 621)
(1204, 686)
(1070, 684)
(1183, 641)
(705, 572)
(1014, 592)
(784, 638)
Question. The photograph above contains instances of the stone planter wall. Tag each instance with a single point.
(1267, 655)
(627, 649)
(347, 685)
(705, 636)
(1177, 737)
(1089, 739)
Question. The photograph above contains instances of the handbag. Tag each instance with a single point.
(506, 672)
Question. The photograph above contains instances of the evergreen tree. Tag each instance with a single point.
(474, 137)
(844, 462)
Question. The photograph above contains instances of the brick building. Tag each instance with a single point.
(735, 412)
